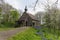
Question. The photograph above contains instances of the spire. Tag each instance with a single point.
(25, 8)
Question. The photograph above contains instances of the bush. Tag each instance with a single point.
(6, 25)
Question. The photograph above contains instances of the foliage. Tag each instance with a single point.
(14, 15)
(51, 17)
(8, 17)
(33, 34)
(26, 35)
(39, 16)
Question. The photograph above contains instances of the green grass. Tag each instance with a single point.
(5, 29)
(30, 34)
(50, 34)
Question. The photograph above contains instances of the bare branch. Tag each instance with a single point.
(35, 4)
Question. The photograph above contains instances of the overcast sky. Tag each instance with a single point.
(20, 4)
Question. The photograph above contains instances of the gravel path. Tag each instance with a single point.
(6, 34)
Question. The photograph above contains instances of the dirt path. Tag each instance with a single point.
(6, 34)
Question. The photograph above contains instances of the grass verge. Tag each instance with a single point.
(29, 34)
(5, 29)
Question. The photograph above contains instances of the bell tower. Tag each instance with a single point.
(25, 9)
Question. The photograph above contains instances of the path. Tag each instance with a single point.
(6, 34)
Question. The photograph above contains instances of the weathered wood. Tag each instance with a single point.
(28, 20)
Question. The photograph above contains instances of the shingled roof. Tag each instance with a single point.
(29, 14)
(32, 16)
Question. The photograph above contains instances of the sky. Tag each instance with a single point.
(20, 5)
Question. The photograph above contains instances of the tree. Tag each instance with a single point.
(51, 14)
(39, 16)
(14, 16)
(0, 15)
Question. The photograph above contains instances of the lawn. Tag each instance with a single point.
(32, 34)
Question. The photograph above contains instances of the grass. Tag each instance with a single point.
(5, 29)
(30, 34)
(50, 35)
